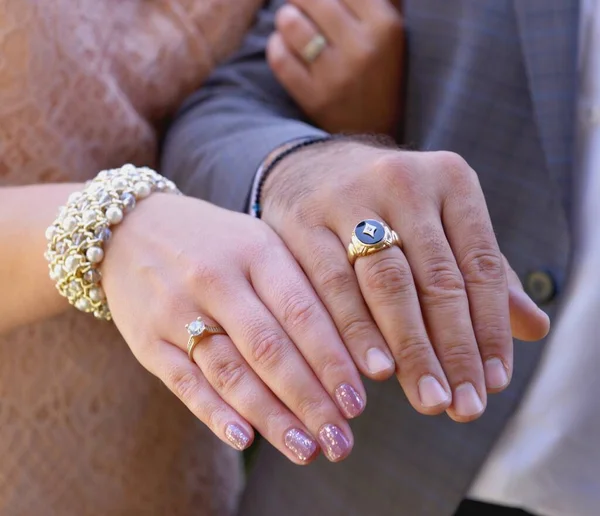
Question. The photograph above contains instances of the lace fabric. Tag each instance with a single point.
(84, 430)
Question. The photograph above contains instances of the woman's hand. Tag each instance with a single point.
(353, 84)
(282, 363)
(439, 302)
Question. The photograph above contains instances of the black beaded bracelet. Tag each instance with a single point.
(264, 173)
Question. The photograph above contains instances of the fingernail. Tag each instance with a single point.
(237, 436)
(300, 444)
(349, 400)
(378, 361)
(466, 401)
(431, 392)
(496, 376)
(334, 443)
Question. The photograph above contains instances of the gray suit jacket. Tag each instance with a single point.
(493, 80)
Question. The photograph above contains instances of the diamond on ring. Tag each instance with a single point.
(196, 327)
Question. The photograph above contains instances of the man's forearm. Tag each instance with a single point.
(227, 128)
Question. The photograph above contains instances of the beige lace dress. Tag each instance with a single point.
(84, 430)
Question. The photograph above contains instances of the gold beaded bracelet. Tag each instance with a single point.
(77, 237)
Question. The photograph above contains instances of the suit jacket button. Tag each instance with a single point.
(540, 286)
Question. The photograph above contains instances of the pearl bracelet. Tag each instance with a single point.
(77, 237)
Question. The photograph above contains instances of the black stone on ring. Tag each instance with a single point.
(370, 232)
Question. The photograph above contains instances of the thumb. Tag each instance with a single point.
(528, 322)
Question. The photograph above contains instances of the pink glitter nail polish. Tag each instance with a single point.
(237, 436)
(349, 400)
(300, 444)
(334, 443)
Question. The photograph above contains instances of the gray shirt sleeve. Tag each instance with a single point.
(227, 128)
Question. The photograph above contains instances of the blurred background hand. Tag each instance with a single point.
(341, 61)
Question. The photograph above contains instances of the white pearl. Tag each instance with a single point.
(128, 168)
(119, 183)
(95, 254)
(82, 304)
(74, 197)
(114, 215)
(89, 217)
(69, 223)
(50, 233)
(71, 263)
(97, 294)
(142, 190)
(59, 272)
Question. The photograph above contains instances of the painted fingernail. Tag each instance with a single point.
(300, 444)
(349, 400)
(496, 376)
(378, 361)
(334, 443)
(466, 401)
(431, 392)
(237, 436)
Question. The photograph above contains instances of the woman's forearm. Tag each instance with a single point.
(27, 293)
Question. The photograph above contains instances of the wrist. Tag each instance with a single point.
(271, 161)
(294, 171)
(77, 238)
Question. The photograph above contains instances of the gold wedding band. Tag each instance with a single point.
(197, 330)
(314, 48)
(371, 236)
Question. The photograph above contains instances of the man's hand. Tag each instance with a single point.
(353, 84)
(439, 304)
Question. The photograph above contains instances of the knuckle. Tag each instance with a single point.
(354, 329)
(455, 168)
(442, 280)
(398, 178)
(205, 275)
(264, 247)
(298, 310)
(227, 374)
(395, 23)
(266, 347)
(213, 415)
(412, 349)
(286, 20)
(482, 266)
(332, 365)
(277, 60)
(334, 278)
(276, 55)
(310, 406)
(450, 161)
(390, 164)
(272, 417)
(494, 334)
(170, 302)
(457, 354)
(183, 383)
(389, 275)
(390, 28)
